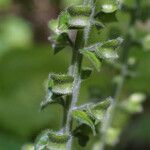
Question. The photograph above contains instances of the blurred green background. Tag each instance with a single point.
(26, 59)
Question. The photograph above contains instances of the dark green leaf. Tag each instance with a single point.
(106, 17)
(59, 42)
(86, 72)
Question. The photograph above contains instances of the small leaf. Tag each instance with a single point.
(28, 147)
(80, 10)
(108, 6)
(107, 54)
(53, 25)
(63, 22)
(92, 58)
(50, 140)
(98, 24)
(86, 73)
(61, 84)
(57, 141)
(106, 18)
(82, 117)
(98, 110)
(59, 42)
(113, 43)
(78, 22)
(57, 137)
(134, 103)
(112, 136)
(42, 141)
(145, 42)
(58, 86)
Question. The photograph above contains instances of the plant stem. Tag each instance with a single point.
(75, 71)
(110, 113)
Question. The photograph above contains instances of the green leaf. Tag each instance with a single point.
(57, 141)
(63, 22)
(114, 43)
(61, 84)
(86, 73)
(106, 18)
(134, 103)
(58, 86)
(92, 58)
(53, 26)
(78, 22)
(80, 10)
(42, 141)
(83, 118)
(58, 137)
(98, 110)
(107, 54)
(50, 140)
(28, 147)
(145, 42)
(112, 136)
(108, 6)
(59, 42)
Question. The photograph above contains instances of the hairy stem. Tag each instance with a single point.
(75, 71)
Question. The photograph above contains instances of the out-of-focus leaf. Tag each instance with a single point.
(15, 33)
(134, 103)
(146, 42)
(28, 147)
(86, 73)
(108, 6)
(92, 58)
(112, 136)
(4, 4)
(83, 118)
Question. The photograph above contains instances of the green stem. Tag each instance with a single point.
(111, 111)
(76, 73)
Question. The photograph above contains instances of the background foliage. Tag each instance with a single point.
(26, 59)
